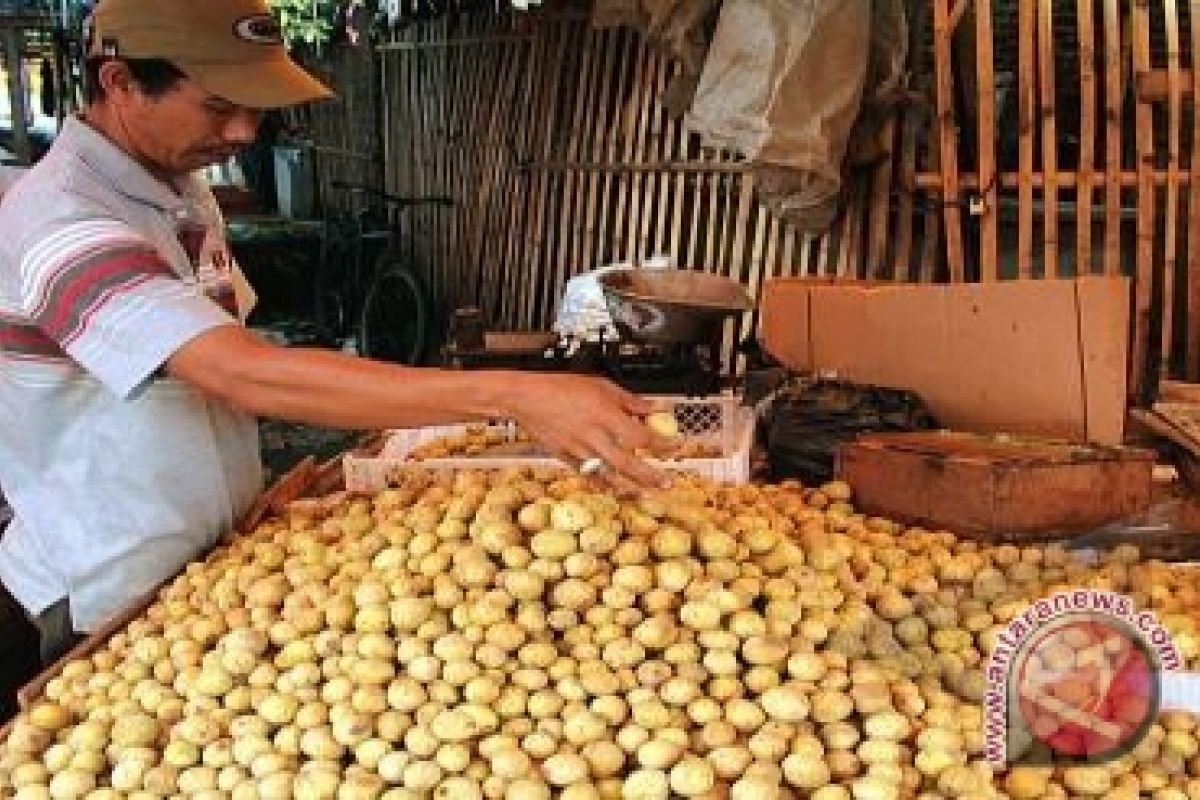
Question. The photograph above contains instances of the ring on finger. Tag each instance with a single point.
(592, 466)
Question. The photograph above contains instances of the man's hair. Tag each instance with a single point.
(156, 76)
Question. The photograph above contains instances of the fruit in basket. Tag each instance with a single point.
(664, 424)
(482, 441)
(524, 634)
(476, 440)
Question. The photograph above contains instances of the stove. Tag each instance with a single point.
(643, 368)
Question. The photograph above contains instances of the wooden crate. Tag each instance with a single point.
(996, 488)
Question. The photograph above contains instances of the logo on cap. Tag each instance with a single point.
(259, 29)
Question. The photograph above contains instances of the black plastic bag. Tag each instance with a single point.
(807, 419)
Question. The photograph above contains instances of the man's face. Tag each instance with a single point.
(185, 128)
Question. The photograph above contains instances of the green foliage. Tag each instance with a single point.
(306, 23)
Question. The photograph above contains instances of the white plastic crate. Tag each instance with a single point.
(718, 421)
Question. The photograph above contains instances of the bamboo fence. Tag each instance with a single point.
(1044, 139)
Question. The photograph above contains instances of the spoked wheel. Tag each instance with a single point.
(395, 317)
(331, 308)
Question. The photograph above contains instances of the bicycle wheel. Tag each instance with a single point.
(330, 307)
(395, 320)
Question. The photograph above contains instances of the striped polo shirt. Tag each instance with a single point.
(117, 475)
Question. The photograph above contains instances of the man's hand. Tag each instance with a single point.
(581, 418)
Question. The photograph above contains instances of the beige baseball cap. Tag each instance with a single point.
(232, 48)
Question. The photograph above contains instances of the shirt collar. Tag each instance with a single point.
(125, 175)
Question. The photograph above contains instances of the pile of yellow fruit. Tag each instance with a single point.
(526, 635)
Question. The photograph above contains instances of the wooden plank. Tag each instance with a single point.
(1046, 83)
(947, 137)
(1085, 15)
(1179, 392)
(610, 43)
(1144, 279)
(495, 158)
(445, 92)
(627, 60)
(668, 137)
(1161, 427)
(771, 267)
(636, 224)
(881, 203)
(546, 193)
(733, 231)
(1171, 212)
(989, 227)
(1153, 85)
(1185, 417)
(696, 189)
(519, 194)
(1114, 103)
(1066, 180)
(926, 267)
(631, 127)
(849, 261)
(420, 138)
(1192, 354)
(563, 263)
(472, 204)
(471, 128)
(902, 258)
(681, 193)
(583, 130)
(1027, 113)
(711, 245)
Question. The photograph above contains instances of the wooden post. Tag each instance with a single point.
(1193, 302)
(1027, 100)
(1050, 193)
(948, 137)
(17, 101)
(1113, 103)
(1087, 136)
(1171, 212)
(989, 224)
(1144, 278)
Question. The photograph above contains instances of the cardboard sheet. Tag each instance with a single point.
(1038, 357)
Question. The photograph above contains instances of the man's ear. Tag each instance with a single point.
(116, 79)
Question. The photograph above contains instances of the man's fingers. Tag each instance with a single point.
(627, 401)
(634, 469)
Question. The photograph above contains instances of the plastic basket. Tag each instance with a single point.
(719, 422)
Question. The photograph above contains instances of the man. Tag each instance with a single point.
(128, 388)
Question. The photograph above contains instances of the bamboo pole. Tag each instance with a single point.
(1114, 103)
(902, 259)
(1171, 212)
(881, 196)
(1143, 284)
(1085, 17)
(1192, 347)
(989, 223)
(630, 125)
(1027, 99)
(582, 133)
(1050, 250)
(947, 137)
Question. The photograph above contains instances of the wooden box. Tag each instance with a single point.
(996, 488)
